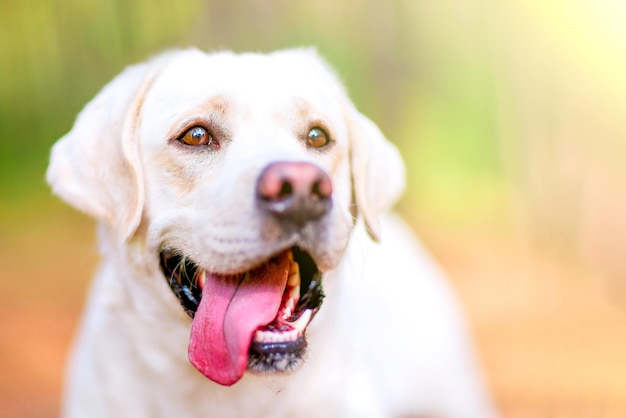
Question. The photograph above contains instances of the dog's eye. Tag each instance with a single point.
(196, 137)
(317, 138)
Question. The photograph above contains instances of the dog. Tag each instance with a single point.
(251, 267)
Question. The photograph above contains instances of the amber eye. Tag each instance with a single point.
(317, 138)
(196, 136)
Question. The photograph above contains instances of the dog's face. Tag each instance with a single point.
(204, 196)
(241, 175)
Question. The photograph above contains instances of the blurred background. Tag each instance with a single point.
(511, 117)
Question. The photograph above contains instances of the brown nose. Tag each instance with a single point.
(297, 192)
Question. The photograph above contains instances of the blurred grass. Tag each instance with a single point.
(54, 56)
(509, 116)
(479, 96)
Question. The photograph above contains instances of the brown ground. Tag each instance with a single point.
(551, 336)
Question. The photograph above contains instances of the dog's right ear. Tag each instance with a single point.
(377, 170)
(96, 167)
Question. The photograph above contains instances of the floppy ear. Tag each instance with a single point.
(96, 167)
(377, 170)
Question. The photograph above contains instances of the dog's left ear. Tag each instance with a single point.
(96, 166)
(377, 170)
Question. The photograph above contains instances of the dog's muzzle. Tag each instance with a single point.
(256, 320)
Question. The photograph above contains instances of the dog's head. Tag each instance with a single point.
(242, 175)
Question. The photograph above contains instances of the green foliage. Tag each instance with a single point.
(431, 95)
(505, 112)
(54, 57)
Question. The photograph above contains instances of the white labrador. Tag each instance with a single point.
(232, 193)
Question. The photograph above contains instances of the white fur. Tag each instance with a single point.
(389, 340)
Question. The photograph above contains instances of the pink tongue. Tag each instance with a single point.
(229, 313)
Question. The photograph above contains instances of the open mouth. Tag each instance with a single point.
(255, 320)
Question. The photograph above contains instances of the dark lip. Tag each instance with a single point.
(276, 357)
(180, 276)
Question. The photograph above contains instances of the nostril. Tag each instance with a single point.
(286, 190)
(273, 186)
(316, 191)
(322, 188)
